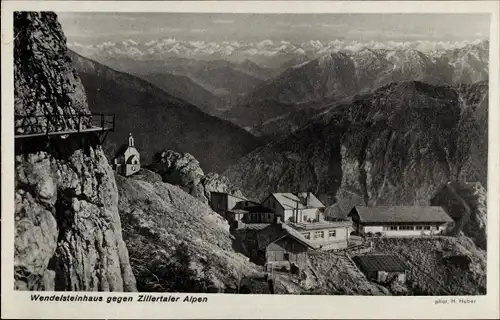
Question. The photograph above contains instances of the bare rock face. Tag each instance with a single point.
(213, 182)
(53, 86)
(184, 171)
(68, 230)
(466, 203)
(396, 145)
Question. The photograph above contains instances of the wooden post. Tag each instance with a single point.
(102, 121)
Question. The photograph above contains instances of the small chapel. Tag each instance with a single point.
(127, 158)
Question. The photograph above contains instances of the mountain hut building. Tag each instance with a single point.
(399, 220)
(383, 268)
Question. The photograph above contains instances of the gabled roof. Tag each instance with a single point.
(401, 214)
(255, 226)
(275, 232)
(122, 149)
(290, 200)
(380, 262)
(269, 234)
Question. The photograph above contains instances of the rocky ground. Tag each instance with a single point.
(175, 241)
(440, 266)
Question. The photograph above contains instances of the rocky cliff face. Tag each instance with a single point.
(396, 145)
(176, 242)
(466, 203)
(68, 230)
(184, 171)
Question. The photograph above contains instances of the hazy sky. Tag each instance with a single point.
(92, 28)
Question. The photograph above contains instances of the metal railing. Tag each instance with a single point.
(64, 123)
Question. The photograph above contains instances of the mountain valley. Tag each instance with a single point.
(159, 120)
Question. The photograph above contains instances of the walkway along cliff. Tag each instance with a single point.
(68, 230)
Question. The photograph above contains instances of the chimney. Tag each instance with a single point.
(297, 213)
(308, 197)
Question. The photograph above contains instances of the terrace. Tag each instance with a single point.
(322, 224)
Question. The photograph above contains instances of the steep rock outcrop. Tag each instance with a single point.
(184, 171)
(68, 230)
(176, 242)
(396, 145)
(466, 204)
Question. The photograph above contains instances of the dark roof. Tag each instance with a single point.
(402, 214)
(244, 203)
(380, 262)
(255, 226)
(229, 195)
(258, 208)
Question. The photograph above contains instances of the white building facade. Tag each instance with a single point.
(394, 221)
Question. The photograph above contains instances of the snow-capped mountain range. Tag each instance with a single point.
(266, 52)
(338, 75)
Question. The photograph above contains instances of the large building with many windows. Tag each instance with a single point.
(399, 220)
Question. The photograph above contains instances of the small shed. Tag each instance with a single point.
(382, 268)
(286, 252)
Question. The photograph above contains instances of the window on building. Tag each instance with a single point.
(319, 234)
(419, 227)
(427, 227)
(405, 227)
(332, 233)
(304, 218)
(307, 235)
(273, 205)
(393, 228)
